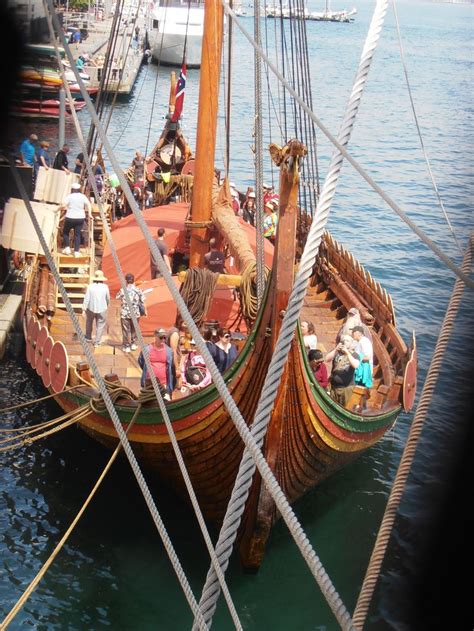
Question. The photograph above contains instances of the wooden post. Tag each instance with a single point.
(207, 128)
(285, 249)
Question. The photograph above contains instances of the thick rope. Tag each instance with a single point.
(198, 292)
(49, 396)
(420, 136)
(258, 159)
(32, 439)
(249, 297)
(17, 432)
(426, 240)
(32, 586)
(265, 406)
(265, 471)
(399, 484)
(156, 386)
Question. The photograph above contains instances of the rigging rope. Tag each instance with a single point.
(250, 442)
(426, 240)
(423, 148)
(27, 403)
(44, 568)
(399, 484)
(91, 140)
(156, 386)
(266, 402)
(116, 91)
(260, 245)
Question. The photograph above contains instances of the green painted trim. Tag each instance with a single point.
(344, 418)
(192, 404)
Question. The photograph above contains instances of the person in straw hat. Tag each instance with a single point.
(270, 222)
(94, 307)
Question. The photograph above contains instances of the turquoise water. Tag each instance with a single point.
(114, 572)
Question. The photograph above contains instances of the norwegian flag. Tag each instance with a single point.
(179, 101)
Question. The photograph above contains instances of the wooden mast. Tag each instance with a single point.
(206, 129)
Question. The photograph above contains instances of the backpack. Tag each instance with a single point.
(194, 374)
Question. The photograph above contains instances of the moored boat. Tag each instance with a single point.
(176, 31)
(309, 435)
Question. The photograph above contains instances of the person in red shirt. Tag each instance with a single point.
(162, 362)
(316, 361)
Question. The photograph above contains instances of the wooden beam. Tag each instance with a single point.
(233, 280)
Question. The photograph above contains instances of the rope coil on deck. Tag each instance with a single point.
(249, 291)
(197, 292)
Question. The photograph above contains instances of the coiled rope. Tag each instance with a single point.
(197, 292)
(266, 402)
(249, 293)
(398, 487)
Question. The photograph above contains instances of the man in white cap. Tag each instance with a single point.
(248, 208)
(94, 307)
(235, 198)
(268, 193)
(76, 205)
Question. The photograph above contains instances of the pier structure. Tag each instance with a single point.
(128, 52)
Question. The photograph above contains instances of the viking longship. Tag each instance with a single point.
(309, 435)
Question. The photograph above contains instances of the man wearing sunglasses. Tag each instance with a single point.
(162, 362)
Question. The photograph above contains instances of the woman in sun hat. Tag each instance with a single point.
(94, 307)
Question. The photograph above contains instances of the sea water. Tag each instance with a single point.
(114, 572)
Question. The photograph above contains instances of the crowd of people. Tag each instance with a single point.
(36, 154)
(174, 360)
(173, 356)
(351, 359)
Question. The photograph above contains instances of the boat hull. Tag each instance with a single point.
(171, 29)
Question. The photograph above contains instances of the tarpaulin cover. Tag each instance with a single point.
(134, 257)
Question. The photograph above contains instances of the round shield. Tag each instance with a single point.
(35, 331)
(58, 367)
(46, 358)
(170, 154)
(40, 340)
(188, 168)
(409, 380)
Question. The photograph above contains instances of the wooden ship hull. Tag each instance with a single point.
(309, 436)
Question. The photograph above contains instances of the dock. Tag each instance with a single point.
(128, 52)
(9, 312)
